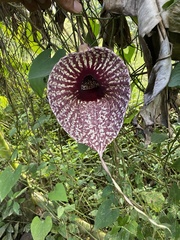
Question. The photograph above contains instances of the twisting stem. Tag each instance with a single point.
(127, 199)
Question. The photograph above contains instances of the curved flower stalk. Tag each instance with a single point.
(88, 93)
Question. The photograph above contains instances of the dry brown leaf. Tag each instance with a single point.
(160, 74)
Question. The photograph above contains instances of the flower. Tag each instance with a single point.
(88, 92)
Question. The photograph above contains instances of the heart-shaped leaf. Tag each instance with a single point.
(40, 228)
(40, 69)
(58, 194)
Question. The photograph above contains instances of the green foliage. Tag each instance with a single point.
(169, 4)
(56, 188)
(106, 215)
(41, 228)
(155, 200)
(41, 67)
(5, 152)
(158, 137)
(8, 179)
(82, 147)
(175, 76)
(58, 194)
(129, 52)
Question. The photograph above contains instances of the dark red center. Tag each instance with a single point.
(90, 89)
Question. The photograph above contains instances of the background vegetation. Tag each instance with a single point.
(53, 186)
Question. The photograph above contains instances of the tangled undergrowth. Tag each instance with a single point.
(55, 187)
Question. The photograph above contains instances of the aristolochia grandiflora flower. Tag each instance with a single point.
(88, 93)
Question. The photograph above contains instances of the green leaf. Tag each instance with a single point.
(91, 35)
(158, 137)
(122, 220)
(60, 211)
(58, 194)
(40, 228)
(106, 215)
(155, 200)
(129, 52)
(95, 26)
(168, 4)
(5, 151)
(130, 116)
(43, 119)
(132, 227)
(174, 194)
(38, 85)
(40, 69)
(175, 76)
(43, 64)
(176, 165)
(69, 208)
(82, 147)
(16, 207)
(8, 178)
(3, 102)
(107, 191)
(3, 229)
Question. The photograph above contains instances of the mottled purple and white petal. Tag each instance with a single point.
(88, 93)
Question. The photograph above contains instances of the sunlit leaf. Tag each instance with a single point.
(70, 208)
(131, 116)
(95, 25)
(58, 194)
(155, 200)
(3, 102)
(40, 228)
(5, 151)
(60, 211)
(129, 52)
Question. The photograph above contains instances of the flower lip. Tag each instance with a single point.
(88, 93)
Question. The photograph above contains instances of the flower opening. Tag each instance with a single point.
(90, 88)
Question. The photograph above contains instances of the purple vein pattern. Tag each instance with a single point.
(88, 92)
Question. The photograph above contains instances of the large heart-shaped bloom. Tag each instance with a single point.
(88, 92)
